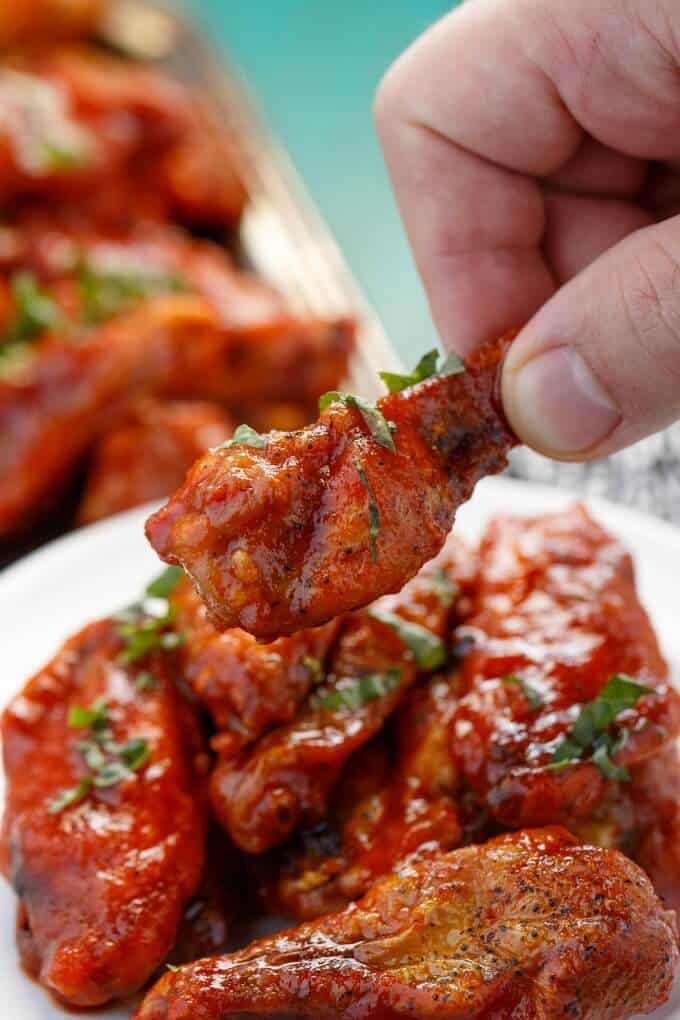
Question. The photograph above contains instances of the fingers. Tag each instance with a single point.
(578, 230)
(498, 97)
(599, 366)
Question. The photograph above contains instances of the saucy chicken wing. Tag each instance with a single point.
(147, 456)
(529, 925)
(289, 530)
(112, 137)
(30, 21)
(286, 778)
(103, 833)
(563, 684)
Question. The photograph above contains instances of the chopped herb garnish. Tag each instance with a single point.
(35, 311)
(377, 424)
(165, 584)
(428, 650)
(244, 435)
(60, 157)
(171, 967)
(445, 588)
(425, 369)
(358, 692)
(594, 737)
(315, 667)
(72, 796)
(107, 293)
(373, 512)
(108, 762)
(145, 681)
(530, 693)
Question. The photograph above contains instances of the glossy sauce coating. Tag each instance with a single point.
(286, 537)
(557, 606)
(529, 925)
(147, 456)
(114, 138)
(23, 21)
(286, 778)
(104, 882)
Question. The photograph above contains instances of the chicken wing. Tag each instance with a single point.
(248, 688)
(291, 529)
(118, 139)
(103, 830)
(528, 925)
(147, 456)
(558, 637)
(286, 778)
(31, 21)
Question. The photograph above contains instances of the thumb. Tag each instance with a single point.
(598, 367)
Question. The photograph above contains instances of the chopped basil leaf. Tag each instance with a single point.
(530, 693)
(92, 754)
(358, 692)
(377, 425)
(445, 588)
(165, 583)
(95, 717)
(110, 774)
(244, 435)
(72, 796)
(60, 157)
(107, 293)
(428, 650)
(145, 681)
(35, 311)
(425, 369)
(373, 512)
(315, 667)
(593, 737)
(135, 753)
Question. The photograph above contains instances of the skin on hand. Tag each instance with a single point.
(533, 146)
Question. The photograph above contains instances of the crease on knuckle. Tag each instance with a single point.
(652, 304)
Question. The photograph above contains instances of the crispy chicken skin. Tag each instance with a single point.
(103, 882)
(112, 136)
(384, 811)
(287, 777)
(30, 21)
(528, 925)
(557, 608)
(248, 688)
(325, 520)
(147, 456)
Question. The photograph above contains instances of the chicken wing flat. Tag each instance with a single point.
(30, 21)
(103, 833)
(147, 456)
(291, 529)
(528, 925)
(112, 136)
(248, 688)
(287, 777)
(563, 682)
(383, 812)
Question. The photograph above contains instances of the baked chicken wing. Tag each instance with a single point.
(103, 833)
(529, 925)
(563, 684)
(286, 778)
(288, 530)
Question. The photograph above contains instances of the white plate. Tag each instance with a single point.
(55, 591)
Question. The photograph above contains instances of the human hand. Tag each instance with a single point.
(534, 147)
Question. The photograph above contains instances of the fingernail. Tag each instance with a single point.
(555, 403)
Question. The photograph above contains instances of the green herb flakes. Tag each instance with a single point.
(69, 797)
(107, 293)
(373, 512)
(377, 424)
(428, 650)
(445, 588)
(358, 691)
(530, 693)
(244, 435)
(165, 584)
(425, 369)
(315, 668)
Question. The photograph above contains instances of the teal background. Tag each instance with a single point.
(314, 65)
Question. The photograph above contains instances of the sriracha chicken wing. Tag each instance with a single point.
(287, 777)
(563, 682)
(148, 455)
(113, 137)
(103, 830)
(292, 529)
(528, 925)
